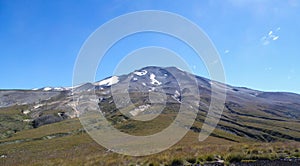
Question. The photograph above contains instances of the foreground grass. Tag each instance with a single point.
(12, 121)
(77, 148)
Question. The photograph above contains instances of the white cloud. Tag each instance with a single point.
(226, 51)
(270, 33)
(271, 36)
(275, 38)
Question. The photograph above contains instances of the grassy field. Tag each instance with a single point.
(12, 121)
(65, 143)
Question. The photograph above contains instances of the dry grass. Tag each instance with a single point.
(80, 149)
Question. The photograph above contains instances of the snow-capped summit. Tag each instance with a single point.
(141, 73)
(51, 89)
(108, 82)
(47, 89)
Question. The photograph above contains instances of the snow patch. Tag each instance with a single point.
(152, 89)
(47, 88)
(254, 94)
(26, 112)
(3, 156)
(140, 109)
(37, 106)
(59, 89)
(153, 80)
(176, 96)
(72, 87)
(50, 88)
(141, 73)
(108, 82)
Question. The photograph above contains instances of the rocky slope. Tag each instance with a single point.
(247, 114)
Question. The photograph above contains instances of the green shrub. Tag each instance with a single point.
(177, 162)
(191, 160)
(234, 157)
(297, 154)
(254, 151)
(209, 158)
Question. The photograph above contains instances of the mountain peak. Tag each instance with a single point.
(151, 85)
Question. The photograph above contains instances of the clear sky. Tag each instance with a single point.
(258, 40)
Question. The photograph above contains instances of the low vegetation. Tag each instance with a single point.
(12, 120)
(65, 143)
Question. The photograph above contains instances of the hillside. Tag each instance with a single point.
(42, 124)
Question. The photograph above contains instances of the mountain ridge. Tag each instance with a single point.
(248, 113)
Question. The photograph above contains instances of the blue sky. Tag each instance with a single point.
(258, 40)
